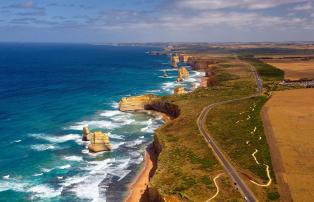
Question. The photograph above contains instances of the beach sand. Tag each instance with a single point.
(141, 182)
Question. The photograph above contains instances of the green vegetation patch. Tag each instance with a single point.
(266, 71)
(186, 165)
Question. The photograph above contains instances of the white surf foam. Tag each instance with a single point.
(6, 177)
(73, 158)
(44, 191)
(56, 139)
(110, 113)
(65, 166)
(94, 124)
(43, 147)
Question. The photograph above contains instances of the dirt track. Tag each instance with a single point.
(288, 120)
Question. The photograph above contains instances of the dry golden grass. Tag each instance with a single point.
(288, 119)
(295, 70)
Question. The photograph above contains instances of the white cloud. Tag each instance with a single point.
(303, 7)
(220, 4)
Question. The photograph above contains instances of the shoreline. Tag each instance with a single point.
(140, 183)
(138, 186)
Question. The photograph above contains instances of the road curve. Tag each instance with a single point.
(231, 171)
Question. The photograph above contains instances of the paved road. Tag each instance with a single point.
(231, 171)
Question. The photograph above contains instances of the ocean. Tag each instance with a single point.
(49, 92)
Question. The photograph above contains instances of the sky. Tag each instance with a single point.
(110, 21)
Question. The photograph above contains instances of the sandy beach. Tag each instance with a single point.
(140, 183)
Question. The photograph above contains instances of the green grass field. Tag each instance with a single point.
(186, 165)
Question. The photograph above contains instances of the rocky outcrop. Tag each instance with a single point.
(183, 72)
(184, 58)
(179, 90)
(137, 102)
(98, 141)
(174, 61)
(202, 64)
(179, 79)
(171, 110)
(149, 102)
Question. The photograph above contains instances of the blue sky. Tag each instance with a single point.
(96, 21)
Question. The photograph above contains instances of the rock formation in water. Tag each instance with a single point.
(179, 79)
(174, 61)
(86, 134)
(136, 102)
(183, 72)
(99, 142)
(179, 90)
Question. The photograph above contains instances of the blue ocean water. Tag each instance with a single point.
(48, 92)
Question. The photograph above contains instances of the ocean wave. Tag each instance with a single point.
(86, 186)
(94, 124)
(43, 147)
(110, 113)
(73, 158)
(56, 139)
(44, 191)
(134, 143)
(65, 166)
(37, 191)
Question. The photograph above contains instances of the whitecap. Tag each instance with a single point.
(110, 113)
(44, 191)
(94, 124)
(56, 139)
(38, 174)
(16, 141)
(65, 166)
(115, 136)
(6, 177)
(134, 143)
(73, 158)
(115, 105)
(43, 147)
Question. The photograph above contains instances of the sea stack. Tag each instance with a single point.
(174, 61)
(183, 72)
(86, 134)
(99, 142)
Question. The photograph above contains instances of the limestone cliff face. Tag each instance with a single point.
(171, 110)
(179, 90)
(183, 73)
(136, 102)
(202, 64)
(184, 58)
(174, 61)
(98, 141)
(149, 102)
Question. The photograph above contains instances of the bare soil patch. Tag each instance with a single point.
(288, 120)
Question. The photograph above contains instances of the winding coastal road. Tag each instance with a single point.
(231, 171)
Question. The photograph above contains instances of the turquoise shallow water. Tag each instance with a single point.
(48, 92)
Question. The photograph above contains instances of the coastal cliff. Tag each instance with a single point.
(149, 102)
(174, 61)
(136, 103)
